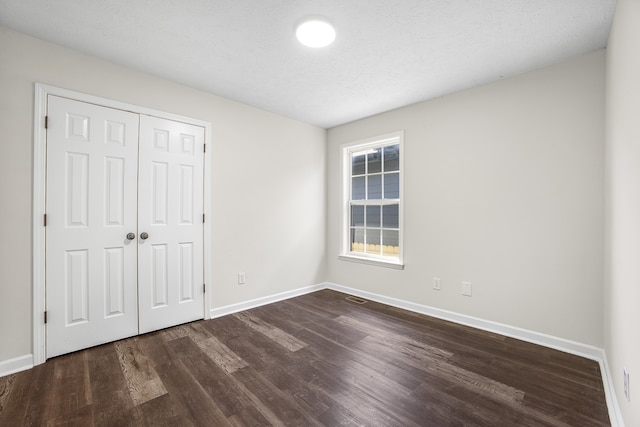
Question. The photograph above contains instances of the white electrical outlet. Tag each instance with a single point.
(242, 278)
(626, 384)
(436, 283)
(466, 289)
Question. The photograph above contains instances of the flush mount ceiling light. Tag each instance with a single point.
(315, 32)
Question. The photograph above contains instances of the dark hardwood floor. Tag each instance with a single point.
(318, 359)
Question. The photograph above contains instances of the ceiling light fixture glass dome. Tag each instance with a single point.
(315, 32)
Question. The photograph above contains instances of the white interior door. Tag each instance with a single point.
(92, 162)
(170, 212)
(125, 228)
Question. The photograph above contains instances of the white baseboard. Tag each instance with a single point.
(615, 416)
(567, 346)
(246, 305)
(17, 364)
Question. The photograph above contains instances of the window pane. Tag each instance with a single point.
(390, 243)
(374, 161)
(373, 241)
(373, 216)
(390, 217)
(375, 187)
(391, 185)
(357, 216)
(357, 164)
(357, 188)
(374, 202)
(357, 240)
(392, 158)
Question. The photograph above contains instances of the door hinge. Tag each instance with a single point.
(205, 148)
(45, 317)
(204, 288)
(45, 220)
(203, 220)
(46, 122)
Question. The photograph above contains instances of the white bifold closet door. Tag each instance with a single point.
(124, 232)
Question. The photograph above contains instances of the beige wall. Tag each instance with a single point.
(268, 180)
(503, 188)
(622, 255)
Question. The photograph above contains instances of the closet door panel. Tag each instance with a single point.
(170, 206)
(91, 206)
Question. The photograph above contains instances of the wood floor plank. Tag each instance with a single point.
(71, 389)
(193, 402)
(17, 397)
(6, 385)
(436, 366)
(287, 371)
(448, 404)
(356, 397)
(319, 307)
(255, 348)
(215, 381)
(160, 412)
(40, 388)
(154, 346)
(341, 355)
(289, 319)
(364, 386)
(281, 316)
(410, 347)
(338, 415)
(270, 400)
(317, 359)
(248, 417)
(113, 405)
(519, 375)
(216, 350)
(289, 342)
(291, 372)
(176, 332)
(143, 381)
(80, 417)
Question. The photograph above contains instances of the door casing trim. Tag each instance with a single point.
(39, 198)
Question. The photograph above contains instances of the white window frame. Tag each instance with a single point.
(346, 151)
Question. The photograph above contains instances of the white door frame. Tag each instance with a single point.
(39, 194)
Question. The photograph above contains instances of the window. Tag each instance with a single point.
(372, 217)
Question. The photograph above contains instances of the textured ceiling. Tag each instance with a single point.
(387, 54)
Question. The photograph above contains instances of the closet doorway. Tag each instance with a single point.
(125, 223)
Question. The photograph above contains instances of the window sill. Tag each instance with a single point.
(397, 265)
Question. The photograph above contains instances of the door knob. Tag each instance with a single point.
(131, 236)
(144, 236)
